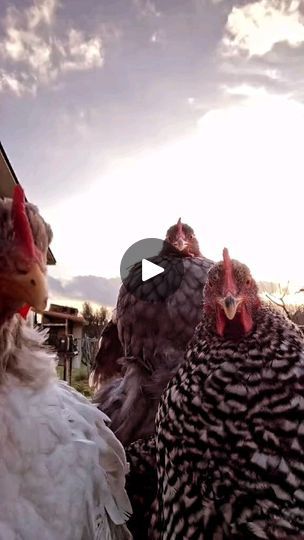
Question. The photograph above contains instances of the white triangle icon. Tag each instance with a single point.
(149, 270)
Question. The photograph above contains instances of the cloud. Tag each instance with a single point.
(246, 90)
(146, 8)
(95, 289)
(254, 29)
(84, 54)
(11, 82)
(262, 51)
(41, 12)
(35, 52)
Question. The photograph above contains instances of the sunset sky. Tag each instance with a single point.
(120, 116)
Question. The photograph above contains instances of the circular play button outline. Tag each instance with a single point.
(151, 270)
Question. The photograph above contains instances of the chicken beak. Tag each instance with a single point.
(181, 244)
(29, 288)
(230, 305)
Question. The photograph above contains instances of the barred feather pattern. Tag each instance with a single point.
(141, 485)
(230, 437)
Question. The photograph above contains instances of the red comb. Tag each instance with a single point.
(22, 228)
(229, 279)
(179, 226)
(180, 231)
(226, 257)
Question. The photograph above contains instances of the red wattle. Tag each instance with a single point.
(24, 311)
(220, 322)
(246, 319)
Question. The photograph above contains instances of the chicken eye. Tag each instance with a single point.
(248, 281)
(22, 271)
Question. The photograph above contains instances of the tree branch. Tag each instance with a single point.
(282, 305)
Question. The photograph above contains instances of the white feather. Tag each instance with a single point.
(62, 470)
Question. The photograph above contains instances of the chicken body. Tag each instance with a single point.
(62, 470)
(230, 425)
(106, 363)
(154, 334)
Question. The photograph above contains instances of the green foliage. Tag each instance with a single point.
(82, 386)
(79, 375)
(80, 380)
(96, 319)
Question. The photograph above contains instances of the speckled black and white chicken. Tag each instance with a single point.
(154, 327)
(230, 425)
(62, 471)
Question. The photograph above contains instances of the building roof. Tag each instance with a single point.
(8, 180)
(66, 316)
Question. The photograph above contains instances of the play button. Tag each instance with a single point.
(151, 270)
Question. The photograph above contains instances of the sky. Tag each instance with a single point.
(121, 116)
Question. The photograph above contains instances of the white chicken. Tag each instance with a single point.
(62, 470)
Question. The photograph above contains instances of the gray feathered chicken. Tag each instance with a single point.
(230, 425)
(62, 469)
(106, 363)
(153, 333)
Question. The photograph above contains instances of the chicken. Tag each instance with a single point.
(230, 425)
(154, 332)
(106, 364)
(180, 240)
(141, 484)
(62, 469)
